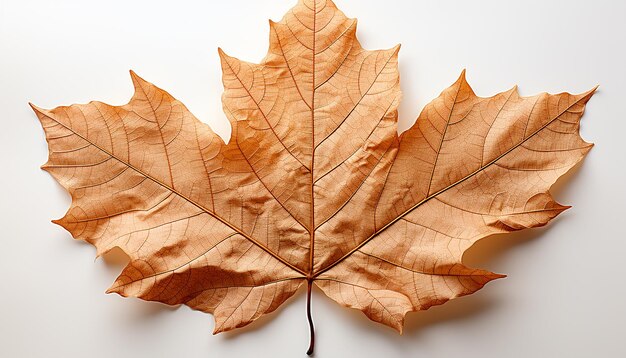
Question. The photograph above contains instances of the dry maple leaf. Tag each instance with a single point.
(314, 186)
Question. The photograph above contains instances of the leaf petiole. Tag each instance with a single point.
(309, 352)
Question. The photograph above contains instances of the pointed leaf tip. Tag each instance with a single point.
(223, 57)
(462, 80)
(586, 96)
(35, 108)
(137, 80)
(593, 91)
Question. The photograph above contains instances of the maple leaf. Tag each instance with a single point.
(314, 185)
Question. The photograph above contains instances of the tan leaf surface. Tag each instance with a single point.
(314, 185)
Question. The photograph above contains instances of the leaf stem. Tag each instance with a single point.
(309, 352)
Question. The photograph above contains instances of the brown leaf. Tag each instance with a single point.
(314, 185)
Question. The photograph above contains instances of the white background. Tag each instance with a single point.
(565, 292)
